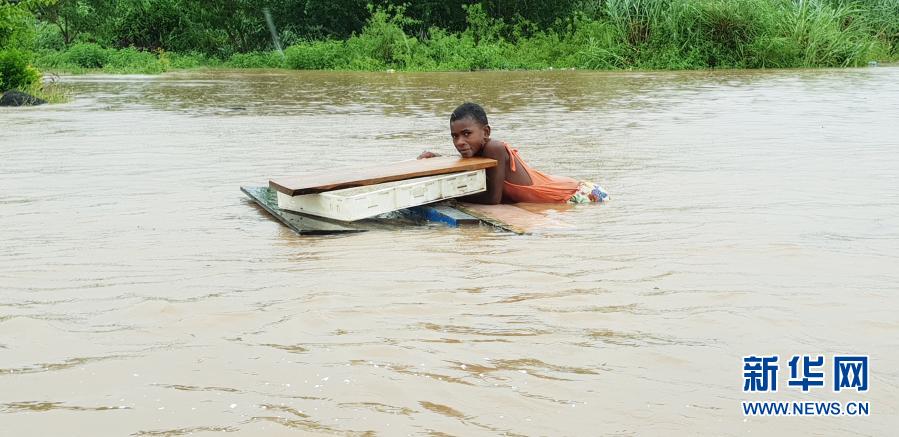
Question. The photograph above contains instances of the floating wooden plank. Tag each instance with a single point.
(509, 217)
(349, 177)
(299, 223)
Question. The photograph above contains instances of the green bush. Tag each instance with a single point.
(16, 26)
(87, 55)
(317, 55)
(256, 60)
(384, 38)
(595, 44)
(132, 60)
(448, 50)
(190, 60)
(52, 59)
(16, 72)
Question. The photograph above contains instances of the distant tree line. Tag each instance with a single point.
(224, 27)
(152, 36)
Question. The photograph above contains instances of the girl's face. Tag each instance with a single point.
(469, 136)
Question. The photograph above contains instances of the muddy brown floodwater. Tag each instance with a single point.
(752, 213)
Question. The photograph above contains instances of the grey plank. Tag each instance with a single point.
(299, 223)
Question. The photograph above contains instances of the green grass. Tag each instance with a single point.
(52, 93)
(614, 34)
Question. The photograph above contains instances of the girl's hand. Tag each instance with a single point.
(427, 154)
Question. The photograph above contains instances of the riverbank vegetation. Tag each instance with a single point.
(152, 36)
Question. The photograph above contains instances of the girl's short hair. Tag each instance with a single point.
(468, 109)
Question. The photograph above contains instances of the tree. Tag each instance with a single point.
(73, 17)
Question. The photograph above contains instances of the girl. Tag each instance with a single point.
(512, 180)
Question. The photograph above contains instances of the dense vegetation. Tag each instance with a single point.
(158, 35)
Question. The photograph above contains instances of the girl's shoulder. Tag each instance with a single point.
(496, 149)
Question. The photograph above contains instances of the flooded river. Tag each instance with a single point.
(752, 213)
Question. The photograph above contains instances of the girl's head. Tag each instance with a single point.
(469, 129)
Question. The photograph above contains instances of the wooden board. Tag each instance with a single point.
(509, 217)
(349, 177)
(299, 223)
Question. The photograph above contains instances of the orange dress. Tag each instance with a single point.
(545, 189)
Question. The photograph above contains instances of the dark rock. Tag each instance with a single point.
(18, 98)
